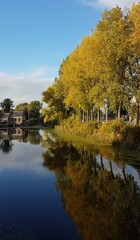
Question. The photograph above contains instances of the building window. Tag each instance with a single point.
(19, 119)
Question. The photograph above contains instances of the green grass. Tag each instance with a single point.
(118, 133)
(75, 138)
(102, 148)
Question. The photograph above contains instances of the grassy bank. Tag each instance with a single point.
(114, 153)
(118, 133)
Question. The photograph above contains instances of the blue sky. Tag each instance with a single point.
(35, 36)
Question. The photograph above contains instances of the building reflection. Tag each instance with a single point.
(8, 136)
(14, 134)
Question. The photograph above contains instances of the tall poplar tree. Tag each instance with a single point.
(134, 58)
(111, 34)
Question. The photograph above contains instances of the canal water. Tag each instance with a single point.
(52, 188)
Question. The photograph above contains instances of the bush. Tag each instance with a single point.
(131, 137)
(74, 125)
(113, 132)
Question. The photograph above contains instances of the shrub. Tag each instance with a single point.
(131, 137)
(74, 125)
(113, 132)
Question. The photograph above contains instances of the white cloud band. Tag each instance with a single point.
(26, 87)
(109, 3)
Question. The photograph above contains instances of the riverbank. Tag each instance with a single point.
(116, 133)
(114, 153)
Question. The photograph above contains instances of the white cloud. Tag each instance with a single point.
(108, 3)
(25, 87)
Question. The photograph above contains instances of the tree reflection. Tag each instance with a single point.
(6, 145)
(7, 136)
(103, 205)
(34, 137)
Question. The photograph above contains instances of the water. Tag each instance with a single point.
(54, 189)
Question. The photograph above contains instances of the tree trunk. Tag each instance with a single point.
(106, 115)
(102, 163)
(59, 117)
(98, 116)
(138, 112)
(62, 115)
(119, 113)
(83, 120)
(124, 174)
(87, 115)
(92, 113)
(95, 165)
(81, 115)
(111, 169)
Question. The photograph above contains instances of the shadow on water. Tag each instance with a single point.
(99, 188)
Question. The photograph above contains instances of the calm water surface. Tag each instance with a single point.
(54, 189)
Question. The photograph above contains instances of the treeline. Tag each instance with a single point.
(103, 72)
(31, 110)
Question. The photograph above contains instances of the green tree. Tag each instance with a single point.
(78, 76)
(103, 70)
(54, 98)
(112, 58)
(34, 108)
(134, 57)
(34, 137)
(23, 107)
(7, 105)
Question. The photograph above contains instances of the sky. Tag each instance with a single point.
(35, 37)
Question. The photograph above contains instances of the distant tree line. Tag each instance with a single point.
(31, 110)
(102, 72)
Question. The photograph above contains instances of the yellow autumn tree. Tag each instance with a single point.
(134, 59)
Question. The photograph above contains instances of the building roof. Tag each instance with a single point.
(5, 115)
(17, 114)
(11, 115)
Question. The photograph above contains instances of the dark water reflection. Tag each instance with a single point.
(56, 189)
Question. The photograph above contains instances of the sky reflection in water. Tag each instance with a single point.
(60, 190)
(30, 206)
